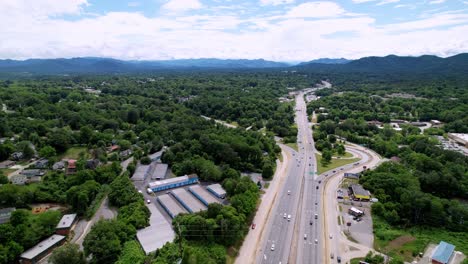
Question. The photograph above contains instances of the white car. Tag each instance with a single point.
(272, 247)
(331, 236)
(289, 192)
(289, 217)
(285, 215)
(148, 201)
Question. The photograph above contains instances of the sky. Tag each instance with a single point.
(279, 30)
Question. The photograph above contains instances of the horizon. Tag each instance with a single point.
(281, 30)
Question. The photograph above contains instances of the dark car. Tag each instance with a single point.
(338, 259)
(310, 222)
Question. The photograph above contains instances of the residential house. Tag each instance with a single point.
(42, 164)
(39, 251)
(71, 168)
(60, 165)
(443, 253)
(6, 164)
(17, 155)
(18, 179)
(92, 164)
(126, 153)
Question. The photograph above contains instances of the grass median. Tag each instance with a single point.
(335, 163)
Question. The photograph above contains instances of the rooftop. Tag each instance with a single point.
(204, 194)
(171, 180)
(66, 221)
(157, 234)
(140, 172)
(461, 136)
(359, 190)
(171, 205)
(188, 200)
(159, 171)
(443, 252)
(217, 188)
(43, 246)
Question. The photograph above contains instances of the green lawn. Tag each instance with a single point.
(335, 163)
(6, 171)
(74, 153)
(293, 146)
(407, 243)
(346, 155)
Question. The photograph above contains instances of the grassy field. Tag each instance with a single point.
(74, 153)
(335, 163)
(346, 155)
(293, 146)
(407, 243)
(6, 171)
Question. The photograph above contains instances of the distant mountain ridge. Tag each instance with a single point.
(387, 64)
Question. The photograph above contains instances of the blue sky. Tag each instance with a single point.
(281, 30)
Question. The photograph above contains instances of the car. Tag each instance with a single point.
(342, 169)
(330, 236)
(316, 241)
(320, 182)
(338, 259)
(334, 171)
(289, 218)
(310, 222)
(316, 187)
(289, 192)
(310, 164)
(139, 191)
(316, 203)
(305, 236)
(148, 201)
(253, 226)
(358, 219)
(272, 247)
(316, 216)
(332, 255)
(285, 215)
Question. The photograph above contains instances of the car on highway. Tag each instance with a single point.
(253, 226)
(332, 255)
(311, 222)
(316, 187)
(289, 192)
(285, 215)
(338, 259)
(316, 216)
(139, 191)
(289, 217)
(272, 247)
(305, 236)
(330, 236)
(316, 241)
(334, 171)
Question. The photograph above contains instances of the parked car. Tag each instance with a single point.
(148, 201)
(253, 226)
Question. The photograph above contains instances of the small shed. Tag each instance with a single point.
(65, 225)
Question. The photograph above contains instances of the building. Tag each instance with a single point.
(33, 173)
(188, 201)
(217, 190)
(17, 155)
(92, 164)
(159, 172)
(66, 224)
(60, 165)
(359, 193)
(203, 195)
(355, 212)
(157, 234)
(5, 214)
(7, 164)
(170, 205)
(460, 138)
(18, 179)
(443, 253)
(45, 247)
(126, 153)
(157, 155)
(42, 164)
(71, 168)
(436, 123)
(172, 183)
(141, 172)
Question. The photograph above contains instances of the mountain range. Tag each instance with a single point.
(388, 64)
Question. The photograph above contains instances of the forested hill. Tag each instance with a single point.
(396, 64)
(106, 65)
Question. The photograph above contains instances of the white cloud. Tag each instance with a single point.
(362, 1)
(316, 10)
(41, 8)
(384, 2)
(437, 2)
(276, 2)
(181, 5)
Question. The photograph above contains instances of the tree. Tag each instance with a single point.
(326, 157)
(47, 152)
(131, 253)
(68, 254)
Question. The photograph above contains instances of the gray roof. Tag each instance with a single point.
(157, 234)
(358, 190)
(66, 221)
(157, 155)
(18, 179)
(203, 194)
(33, 172)
(140, 173)
(6, 163)
(217, 188)
(159, 171)
(187, 200)
(171, 205)
(5, 214)
(43, 246)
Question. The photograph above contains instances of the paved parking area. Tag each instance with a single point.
(362, 231)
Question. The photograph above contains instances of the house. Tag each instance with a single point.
(113, 148)
(60, 165)
(443, 253)
(71, 168)
(32, 173)
(17, 155)
(65, 224)
(126, 153)
(5, 214)
(6, 164)
(92, 164)
(45, 247)
(18, 179)
(42, 164)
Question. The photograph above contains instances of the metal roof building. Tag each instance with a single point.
(159, 171)
(173, 183)
(217, 190)
(66, 221)
(443, 253)
(140, 173)
(203, 195)
(188, 201)
(44, 247)
(359, 192)
(170, 205)
(157, 234)
(5, 214)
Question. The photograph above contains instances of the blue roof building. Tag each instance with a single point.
(443, 253)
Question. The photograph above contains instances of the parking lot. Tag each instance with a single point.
(361, 227)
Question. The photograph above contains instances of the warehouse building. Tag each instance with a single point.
(443, 253)
(65, 225)
(188, 201)
(36, 253)
(203, 195)
(141, 172)
(172, 183)
(217, 190)
(170, 205)
(359, 193)
(159, 172)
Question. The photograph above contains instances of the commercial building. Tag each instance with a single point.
(443, 253)
(157, 234)
(36, 253)
(141, 172)
(170, 205)
(217, 190)
(172, 183)
(65, 225)
(5, 214)
(359, 193)
(159, 171)
(157, 155)
(187, 200)
(460, 138)
(203, 195)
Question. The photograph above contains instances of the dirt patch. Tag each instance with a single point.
(399, 242)
(41, 208)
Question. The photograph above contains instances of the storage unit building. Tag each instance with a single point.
(36, 253)
(159, 172)
(217, 190)
(170, 205)
(65, 225)
(172, 183)
(203, 195)
(188, 201)
(443, 253)
(141, 172)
